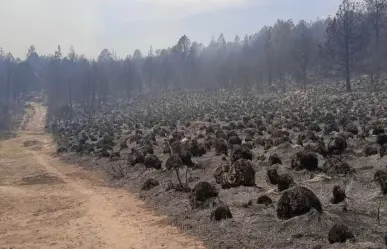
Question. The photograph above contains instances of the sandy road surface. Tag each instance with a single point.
(45, 203)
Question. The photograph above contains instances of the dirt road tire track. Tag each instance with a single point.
(45, 203)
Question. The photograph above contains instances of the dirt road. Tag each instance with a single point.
(45, 203)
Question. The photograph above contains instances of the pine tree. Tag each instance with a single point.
(345, 40)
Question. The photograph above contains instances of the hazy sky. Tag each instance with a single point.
(124, 25)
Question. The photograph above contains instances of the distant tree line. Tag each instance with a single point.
(350, 44)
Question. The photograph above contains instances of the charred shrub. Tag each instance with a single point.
(221, 147)
(201, 193)
(331, 127)
(197, 149)
(277, 133)
(268, 144)
(370, 150)
(249, 138)
(334, 166)
(339, 234)
(273, 176)
(149, 184)
(314, 127)
(352, 128)
(264, 200)
(148, 149)
(176, 146)
(260, 141)
(250, 132)
(306, 136)
(210, 129)
(123, 143)
(304, 160)
(108, 140)
(317, 146)
(381, 178)
(186, 157)
(281, 140)
(246, 119)
(231, 133)
(115, 155)
(218, 174)
(329, 117)
(337, 145)
(274, 159)
(166, 148)
(209, 142)
(221, 213)
(381, 139)
(152, 161)
(240, 125)
(220, 134)
(173, 162)
(249, 145)
(241, 152)
(241, 173)
(297, 201)
(377, 129)
(136, 157)
(285, 181)
(338, 195)
(234, 140)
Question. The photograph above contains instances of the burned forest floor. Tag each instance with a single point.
(165, 147)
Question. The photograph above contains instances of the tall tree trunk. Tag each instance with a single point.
(304, 70)
(377, 56)
(347, 68)
(348, 80)
(347, 55)
(70, 100)
(93, 98)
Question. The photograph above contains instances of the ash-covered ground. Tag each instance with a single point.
(294, 149)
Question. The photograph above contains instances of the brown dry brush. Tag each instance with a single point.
(117, 170)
